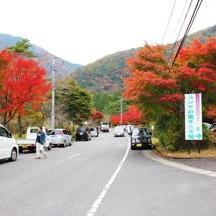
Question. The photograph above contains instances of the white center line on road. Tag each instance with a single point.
(68, 158)
(100, 198)
(180, 166)
(74, 156)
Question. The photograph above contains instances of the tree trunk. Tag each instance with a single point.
(19, 125)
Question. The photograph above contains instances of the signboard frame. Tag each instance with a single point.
(193, 117)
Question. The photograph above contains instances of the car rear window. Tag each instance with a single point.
(34, 130)
(93, 129)
(140, 131)
(49, 132)
(82, 129)
(57, 132)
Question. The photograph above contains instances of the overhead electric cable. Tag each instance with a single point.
(169, 21)
(177, 38)
(199, 2)
(180, 16)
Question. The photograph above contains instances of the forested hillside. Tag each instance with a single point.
(107, 73)
(42, 56)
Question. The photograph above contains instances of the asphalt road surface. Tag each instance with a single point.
(103, 178)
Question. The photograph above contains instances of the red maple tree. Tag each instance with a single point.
(132, 116)
(154, 82)
(159, 88)
(23, 85)
(96, 116)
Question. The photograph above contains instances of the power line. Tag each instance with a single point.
(199, 2)
(183, 22)
(181, 15)
(169, 21)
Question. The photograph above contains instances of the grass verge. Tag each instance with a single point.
(194, 154)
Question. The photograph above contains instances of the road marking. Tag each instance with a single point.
(180, 166)
(93, 210)
(74, 156)
(69, 158)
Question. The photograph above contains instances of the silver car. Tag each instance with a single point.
(60, 137)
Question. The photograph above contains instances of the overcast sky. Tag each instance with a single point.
(82, 31)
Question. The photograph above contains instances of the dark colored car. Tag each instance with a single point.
(141, 139)
(83, 133)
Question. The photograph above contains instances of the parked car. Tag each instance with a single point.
(119, 131)
(129, 129)
(141, 139)
(213, 128)
(60, 138)
(104, 126)
(30, 142)
(83, 133)
(8, 146)
(208, 126)
(94, 132)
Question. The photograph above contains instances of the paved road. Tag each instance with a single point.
(90, 178)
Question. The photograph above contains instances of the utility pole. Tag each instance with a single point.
(55, 62)
(121, 110)
(53, 97)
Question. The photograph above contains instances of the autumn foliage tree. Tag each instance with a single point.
(23, 85)
(132, 116)
(96, 116)
(159, 88)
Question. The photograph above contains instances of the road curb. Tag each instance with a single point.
(151, 155)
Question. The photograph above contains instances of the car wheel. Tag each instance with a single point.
(13, 155)
(49, 147)
(133, 147)
(20, 150)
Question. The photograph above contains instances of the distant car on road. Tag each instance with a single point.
(119, 131)
(94, 132)
(129, 129)
(8, 146)
(83, 133)
(141, 139)
(60, 138)
(104, 126)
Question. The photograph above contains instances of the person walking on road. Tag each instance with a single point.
(40, 142)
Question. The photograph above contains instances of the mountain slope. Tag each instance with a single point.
(43, 56)
(107, 73)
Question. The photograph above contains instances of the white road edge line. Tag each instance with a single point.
(93, 210)
(179, 165)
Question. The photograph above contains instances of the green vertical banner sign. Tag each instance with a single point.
(193, 117)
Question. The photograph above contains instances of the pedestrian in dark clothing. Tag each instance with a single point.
(40, 142)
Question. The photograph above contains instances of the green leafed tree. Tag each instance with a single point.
(109, 103)
(22, 47)
(75, 102)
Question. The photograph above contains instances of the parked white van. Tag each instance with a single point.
(8, 145)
